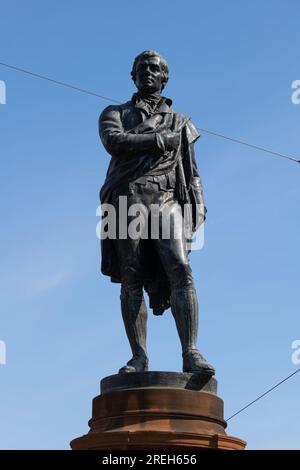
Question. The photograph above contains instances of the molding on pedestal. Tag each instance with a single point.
(155, 440)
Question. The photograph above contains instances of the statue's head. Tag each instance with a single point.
(150, 72)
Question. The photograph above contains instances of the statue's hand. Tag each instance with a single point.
(171, 140)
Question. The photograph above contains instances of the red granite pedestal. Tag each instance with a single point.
(155, 411)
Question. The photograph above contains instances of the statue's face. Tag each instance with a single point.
(149, 75)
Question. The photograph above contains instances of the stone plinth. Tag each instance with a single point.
(157, 410)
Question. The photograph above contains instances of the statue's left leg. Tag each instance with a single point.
(184, 304)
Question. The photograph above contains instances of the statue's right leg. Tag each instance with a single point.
(134, 313)
(130, 252)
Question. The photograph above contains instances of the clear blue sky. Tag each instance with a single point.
(231, 68)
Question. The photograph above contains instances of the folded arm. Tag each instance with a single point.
(119, 142)
(116, 141)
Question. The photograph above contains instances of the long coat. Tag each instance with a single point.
(129, 136)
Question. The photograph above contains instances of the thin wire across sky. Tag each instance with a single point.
(112, 100)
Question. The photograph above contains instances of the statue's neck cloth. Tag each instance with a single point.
(149, 102)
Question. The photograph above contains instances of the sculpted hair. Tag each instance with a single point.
(163, 62)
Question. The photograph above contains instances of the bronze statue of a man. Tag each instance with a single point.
(153, 163)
